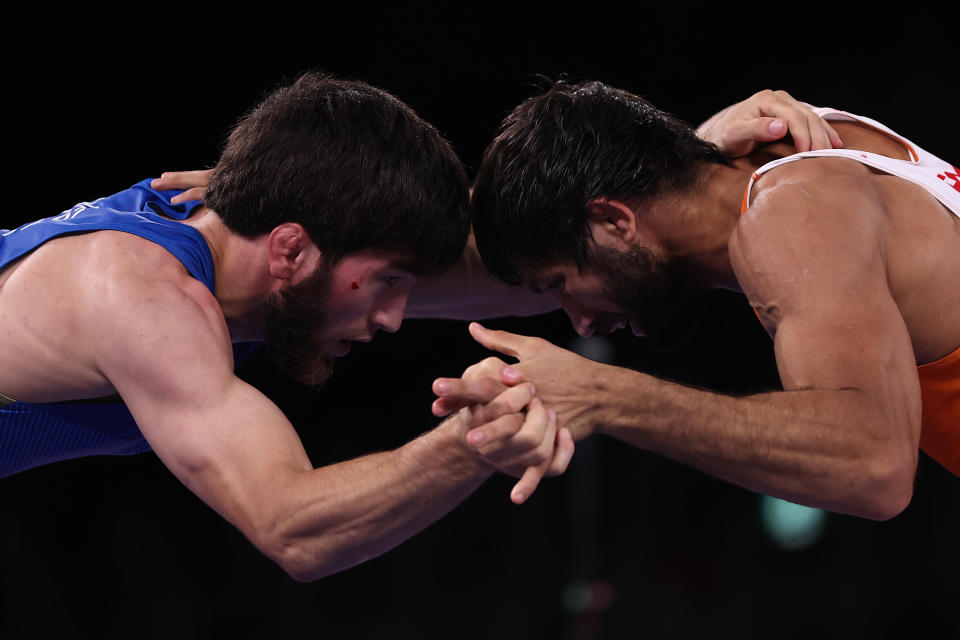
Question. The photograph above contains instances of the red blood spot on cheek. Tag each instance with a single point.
(354, 285)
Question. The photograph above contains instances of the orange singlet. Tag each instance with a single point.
(940, 380)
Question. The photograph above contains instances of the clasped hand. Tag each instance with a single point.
(505, 424)
(507, 420)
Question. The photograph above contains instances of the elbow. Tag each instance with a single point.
(886, 507)
(293, 556)
(299, 567)
(882, 475)
(889, 486)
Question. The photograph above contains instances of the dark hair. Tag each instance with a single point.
(352, 164)
(558, 151)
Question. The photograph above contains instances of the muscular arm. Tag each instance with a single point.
(844, 433)
(810, 258)
(237, 452)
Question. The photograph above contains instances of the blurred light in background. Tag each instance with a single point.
(588, 597)
(791, 526)
(586, 603)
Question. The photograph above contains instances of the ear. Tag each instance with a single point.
(612, 223)
(291, 251)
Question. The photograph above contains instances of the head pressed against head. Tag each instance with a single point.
(563, 201)
(343, 177)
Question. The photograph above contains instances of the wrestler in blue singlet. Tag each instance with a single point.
(36, 434)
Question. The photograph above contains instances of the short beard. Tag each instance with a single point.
(657, 294)
(294, 318)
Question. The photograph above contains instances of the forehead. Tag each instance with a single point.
(370, 260)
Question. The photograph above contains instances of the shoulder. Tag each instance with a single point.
(138, 303)
(812, 225)
(123, 271)
(800, 201)
(824, 177)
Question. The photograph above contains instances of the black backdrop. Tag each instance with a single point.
(115, 547)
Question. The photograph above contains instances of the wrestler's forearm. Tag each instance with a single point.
(343, 514)
(830, 449)
(468, 292)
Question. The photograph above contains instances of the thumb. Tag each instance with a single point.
(768, 129)
(742, 135)
(505, 342)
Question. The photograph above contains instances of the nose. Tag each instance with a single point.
(389, 315)
(582, 317)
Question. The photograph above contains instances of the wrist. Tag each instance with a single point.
(449, 439)
(621, 401)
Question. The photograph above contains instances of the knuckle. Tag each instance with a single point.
(496, 408)
(510, 400)
(491, 386)
(527, 440)
(489, 362)
(515, 397)
(485, 414)
(546, 450)
(515, 403)
(509, 425)
(538, 458)
(556, 468)
(493, 425)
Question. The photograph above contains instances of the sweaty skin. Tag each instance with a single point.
(141, 327)
(852, 272)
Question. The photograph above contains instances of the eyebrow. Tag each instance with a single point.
(396, 269)
(399, 273)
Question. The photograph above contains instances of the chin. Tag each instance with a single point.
(338, 348)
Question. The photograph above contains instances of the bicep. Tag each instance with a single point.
(232, 447)
(812, 268)
(866, 349)
(221, 437)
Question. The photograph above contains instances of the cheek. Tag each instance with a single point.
(342, 316)
(347, 309)
(592, 298)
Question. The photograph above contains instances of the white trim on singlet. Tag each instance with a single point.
(937, 176)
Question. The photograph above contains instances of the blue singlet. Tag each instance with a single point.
(36, 434)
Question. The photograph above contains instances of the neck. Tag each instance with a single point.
(241, 274)
(694, 228)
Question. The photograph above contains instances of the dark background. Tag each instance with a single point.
(116, 547)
